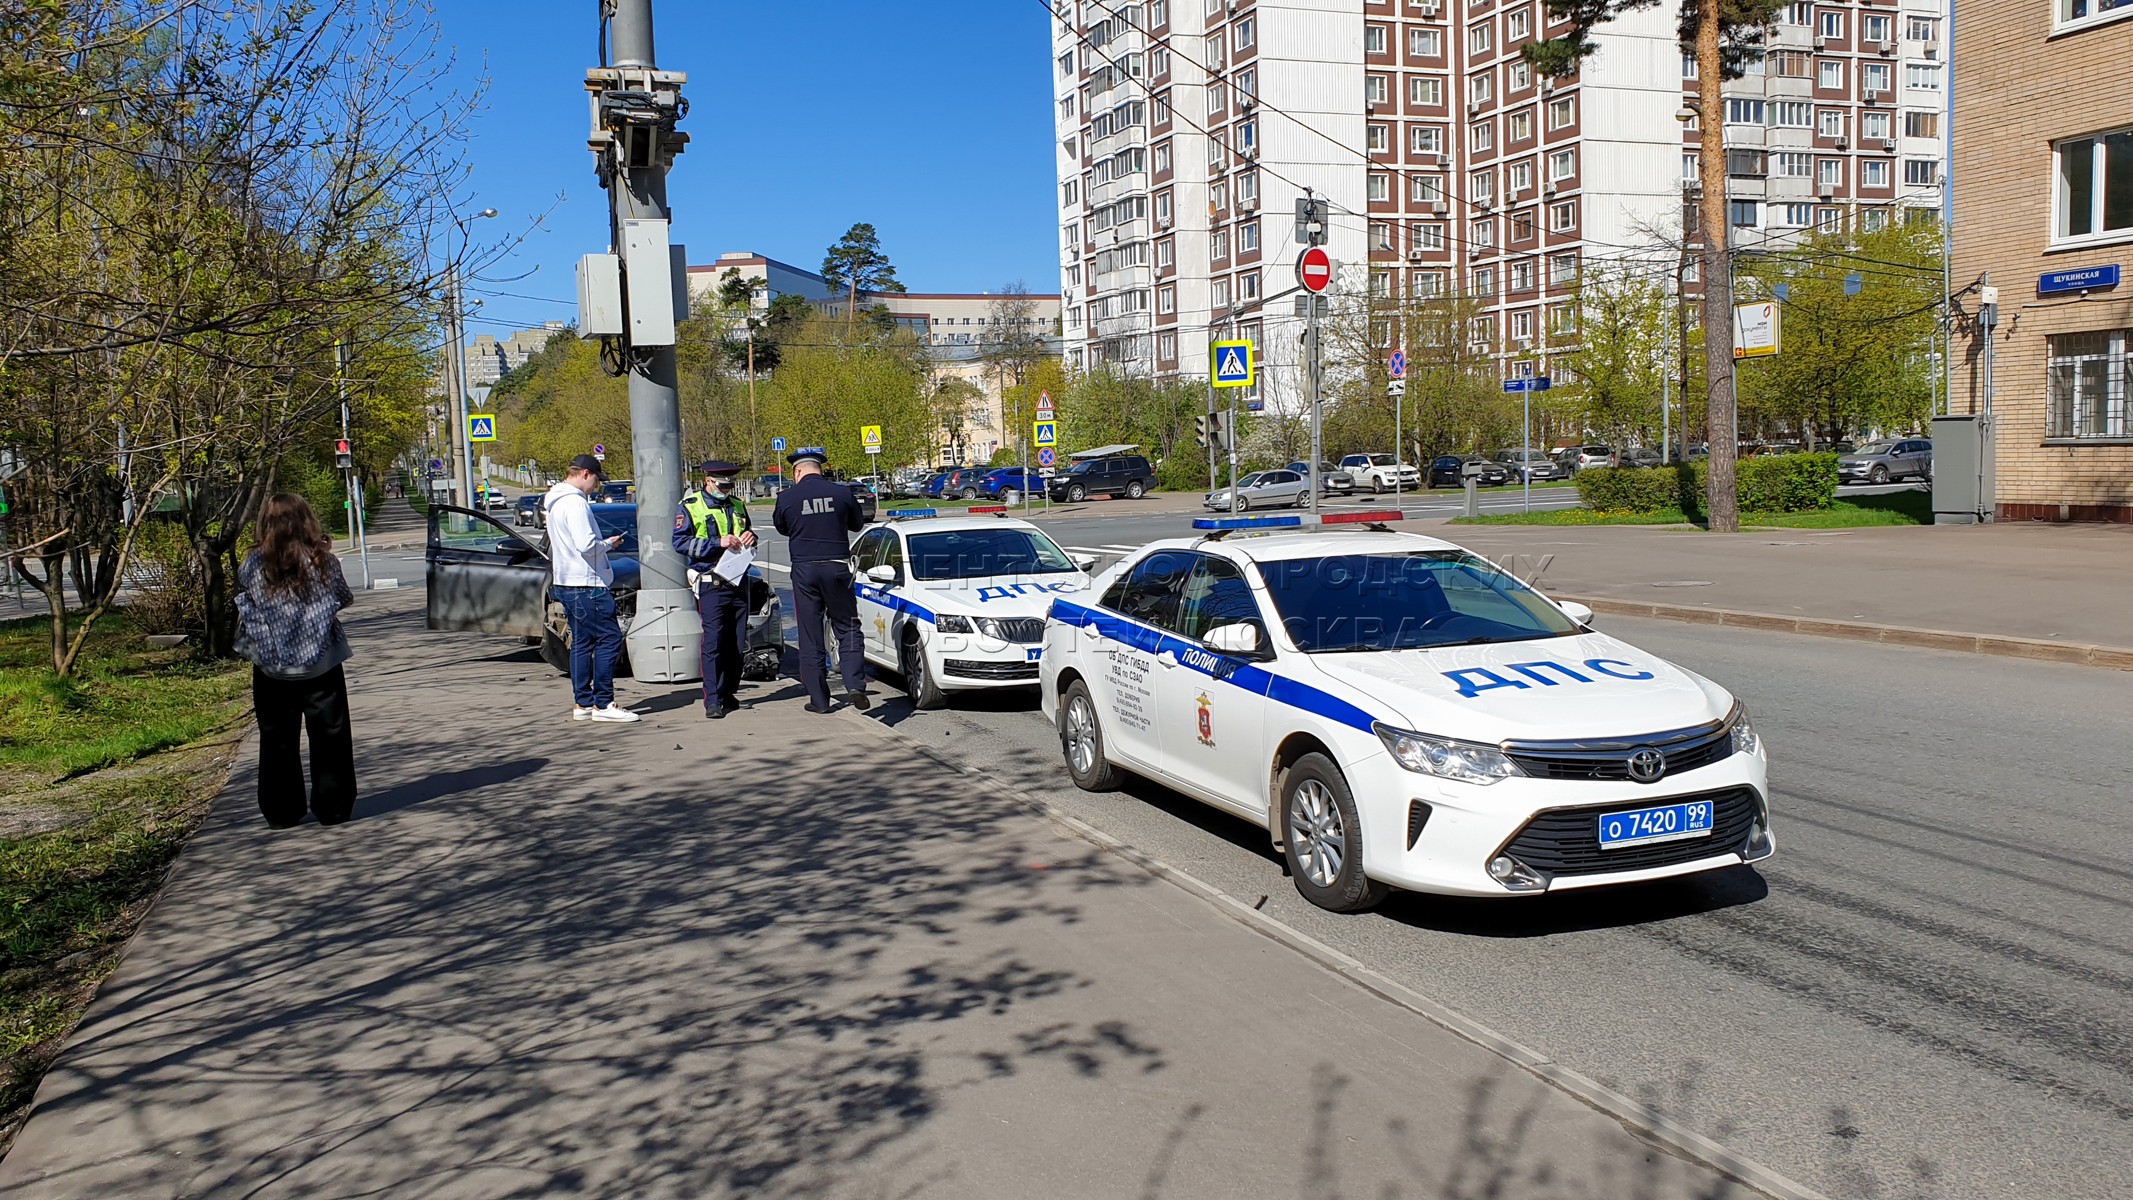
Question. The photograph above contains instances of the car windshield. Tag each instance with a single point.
(1877, 448)
(976, 553)
(1249, 480)
(1081, 467)
(1419, 600)
(1381, 460)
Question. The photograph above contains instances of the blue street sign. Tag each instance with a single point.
(1853, 284)
(1539, 383)
(481, 427)
(1046, 456)
(1047, 432)
(436, 464)
(599, 450)
(2081, 279)
(1399, 365)
(777, 443)
(1514, 385)
(1232, 364)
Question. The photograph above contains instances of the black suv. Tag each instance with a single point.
(1127, 475)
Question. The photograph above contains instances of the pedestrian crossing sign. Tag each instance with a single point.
(481, 427)
(1232, 364)
(1047, 433)
(870, 435)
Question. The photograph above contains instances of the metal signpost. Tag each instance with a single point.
(1314, 272)
(1231, 365)
(1397, 369)
(1526, 387)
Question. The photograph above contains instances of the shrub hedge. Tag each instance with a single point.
(1778, 484)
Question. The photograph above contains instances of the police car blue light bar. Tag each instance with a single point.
(1299, 520)
(896, 514)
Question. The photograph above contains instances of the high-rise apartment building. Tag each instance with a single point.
(1187, 130)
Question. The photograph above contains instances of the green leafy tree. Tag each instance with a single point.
(1618, 367)
(1722, 35)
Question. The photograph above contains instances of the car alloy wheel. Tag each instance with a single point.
(1879, 474)
(1323, 837)
(1077, 493)
(1241, 504)
(970, 493)
(918, 680)
(1081, 740)
(1315, 830)
(1134, 490)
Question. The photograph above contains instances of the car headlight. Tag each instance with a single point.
(951, 623)
(1466, 762)
(1745, 740)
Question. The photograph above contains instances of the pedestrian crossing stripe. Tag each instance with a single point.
(1232, 364)
(481, 427)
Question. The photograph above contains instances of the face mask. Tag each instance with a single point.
(723, 487)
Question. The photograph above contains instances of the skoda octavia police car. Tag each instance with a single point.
(1399, 713)
(955, 602)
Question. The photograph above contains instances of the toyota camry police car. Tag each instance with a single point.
(1399, 713)
(955, 602)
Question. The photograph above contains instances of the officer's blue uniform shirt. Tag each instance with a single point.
(819, 517)
(702, 552)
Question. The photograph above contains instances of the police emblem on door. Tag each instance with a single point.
(1207, 720)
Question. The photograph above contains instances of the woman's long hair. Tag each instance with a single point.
(293, 550)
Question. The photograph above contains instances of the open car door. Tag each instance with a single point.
(482, 576)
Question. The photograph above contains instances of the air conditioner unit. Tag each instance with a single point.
(1472, 107)
(1162, 222)
(1548, 189)
(1414, 255)
(1844, 143)
(1547, 86)
(1887, 48)
(1444, 160)
(1932, 51)
(1888, 143)
(1440, 208)
(1827, 192)
(1429, 9)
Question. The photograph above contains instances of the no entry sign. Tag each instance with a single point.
(1314, 270)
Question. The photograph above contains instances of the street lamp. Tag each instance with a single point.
(456, 355)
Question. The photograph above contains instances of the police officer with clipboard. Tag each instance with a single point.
(709, 523)
(819, 517)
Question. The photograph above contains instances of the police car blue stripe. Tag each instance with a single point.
(893, 602)
(1248, 677)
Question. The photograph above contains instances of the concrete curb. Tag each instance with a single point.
(2117, 658)
(1639, 1118)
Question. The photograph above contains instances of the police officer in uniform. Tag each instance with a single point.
(709, 522)
(820, 517)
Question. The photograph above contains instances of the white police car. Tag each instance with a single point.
(953, 601)
(1399, 713)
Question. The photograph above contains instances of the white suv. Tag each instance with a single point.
(1379, 473)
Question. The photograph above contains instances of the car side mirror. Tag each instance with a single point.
(882, 574)
(1240, 639)
(1082, 562)
(1575, 611)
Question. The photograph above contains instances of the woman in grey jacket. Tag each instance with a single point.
(290, 628)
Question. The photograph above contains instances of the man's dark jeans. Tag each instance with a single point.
(595, 643)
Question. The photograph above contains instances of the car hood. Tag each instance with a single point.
(1846, 459)
(1587, 686)
(994, 595)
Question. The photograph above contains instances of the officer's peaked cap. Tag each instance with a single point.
(814, 454)
(717, 466)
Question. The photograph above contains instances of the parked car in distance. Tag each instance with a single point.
(1521, 463)
(1380, 473)
(1577, 458)
(1010, 483)
(957, 482)
(1880, 462)
(617, 491)
(1128, 475)
(1638, 456)
(1492, 473)
(1332, 481)
(910, 481)
(529, 510)
(1261, 489)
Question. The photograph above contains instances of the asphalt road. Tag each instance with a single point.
(1924, 994)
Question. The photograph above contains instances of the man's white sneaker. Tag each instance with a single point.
(581, 712)
(614, 713)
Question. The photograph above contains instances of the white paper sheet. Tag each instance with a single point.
(732, 566)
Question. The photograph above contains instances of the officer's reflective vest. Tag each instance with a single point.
(729, 518)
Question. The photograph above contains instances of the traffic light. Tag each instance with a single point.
(1200, 432)
(343, 455)
(1221, 432)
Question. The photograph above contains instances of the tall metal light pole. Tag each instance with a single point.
(636, 106)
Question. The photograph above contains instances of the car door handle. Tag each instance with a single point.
(1167, 659)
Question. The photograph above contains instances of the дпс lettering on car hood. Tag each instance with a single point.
(1588, 685)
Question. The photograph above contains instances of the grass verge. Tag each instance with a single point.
(1894, 508)
(91, 817)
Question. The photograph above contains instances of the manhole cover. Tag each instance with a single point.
(1682, 583)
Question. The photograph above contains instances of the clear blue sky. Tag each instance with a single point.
(931, 121)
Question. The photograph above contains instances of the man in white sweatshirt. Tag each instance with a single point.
(581, 583)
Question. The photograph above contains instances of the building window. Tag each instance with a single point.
(1742, 111)
(1162, 209)
(1829, 73)
(1248, 190)
(1162, 158)
(2094, 185)
(1522, 324)
(1518, 76)
(1873, 29)
(1874, 218)
(1426, 139)
(1481, 234)
(1248, 286)
(1874, 173)
(1248, 237)
(1563, 218)
(1380, 236)
(1562, 318)
(1792, 114)
(2088, 385)
(1792, 64)
(1874, 78)
(1920, 172)
(1518, 127)
(1427, 236)
(1247, 83)
(1479, 39)
(1373, 39)
(1218, 294)
(1481, 88)
(1166, 347)
(1166, 254)
(1921, 29)
(1522, 275)
(1518, 177)
(1562, 269)
(1561, 112)
(1381, 189)
(1166, 300)
(1518, 25)
(1832, 26)
(1829, 123)
(1481, 187)
(1922, 77)
(1745, 214)
(1069, 191)
(1798, 216)
(1562, 164)
(1218, 246)
(1248, 136)
(1746, 164)
(1242, 34)
(1481, 136)
(1921, 124)
(1066, 63)
(1827, 220)
(1425, 189)
(1794, 165)
(1428, 284)
(1691, 169)
(1426, 91)
(1381, 285)
(1217, 99)
(1484, 281)
(1380, 138)
(1425, 43)
(1829, 172)
(1874, 125)
(1376, 89)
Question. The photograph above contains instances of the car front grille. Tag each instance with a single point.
(1608, 758)
(1027, 630)
(974, 669)
(1567, 841)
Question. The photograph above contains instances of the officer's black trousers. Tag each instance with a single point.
(725, 615)
(821, 589)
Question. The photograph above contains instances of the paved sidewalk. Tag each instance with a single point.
(779, 955)
(2066, 583)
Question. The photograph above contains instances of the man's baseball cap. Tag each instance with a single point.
(586, 462)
